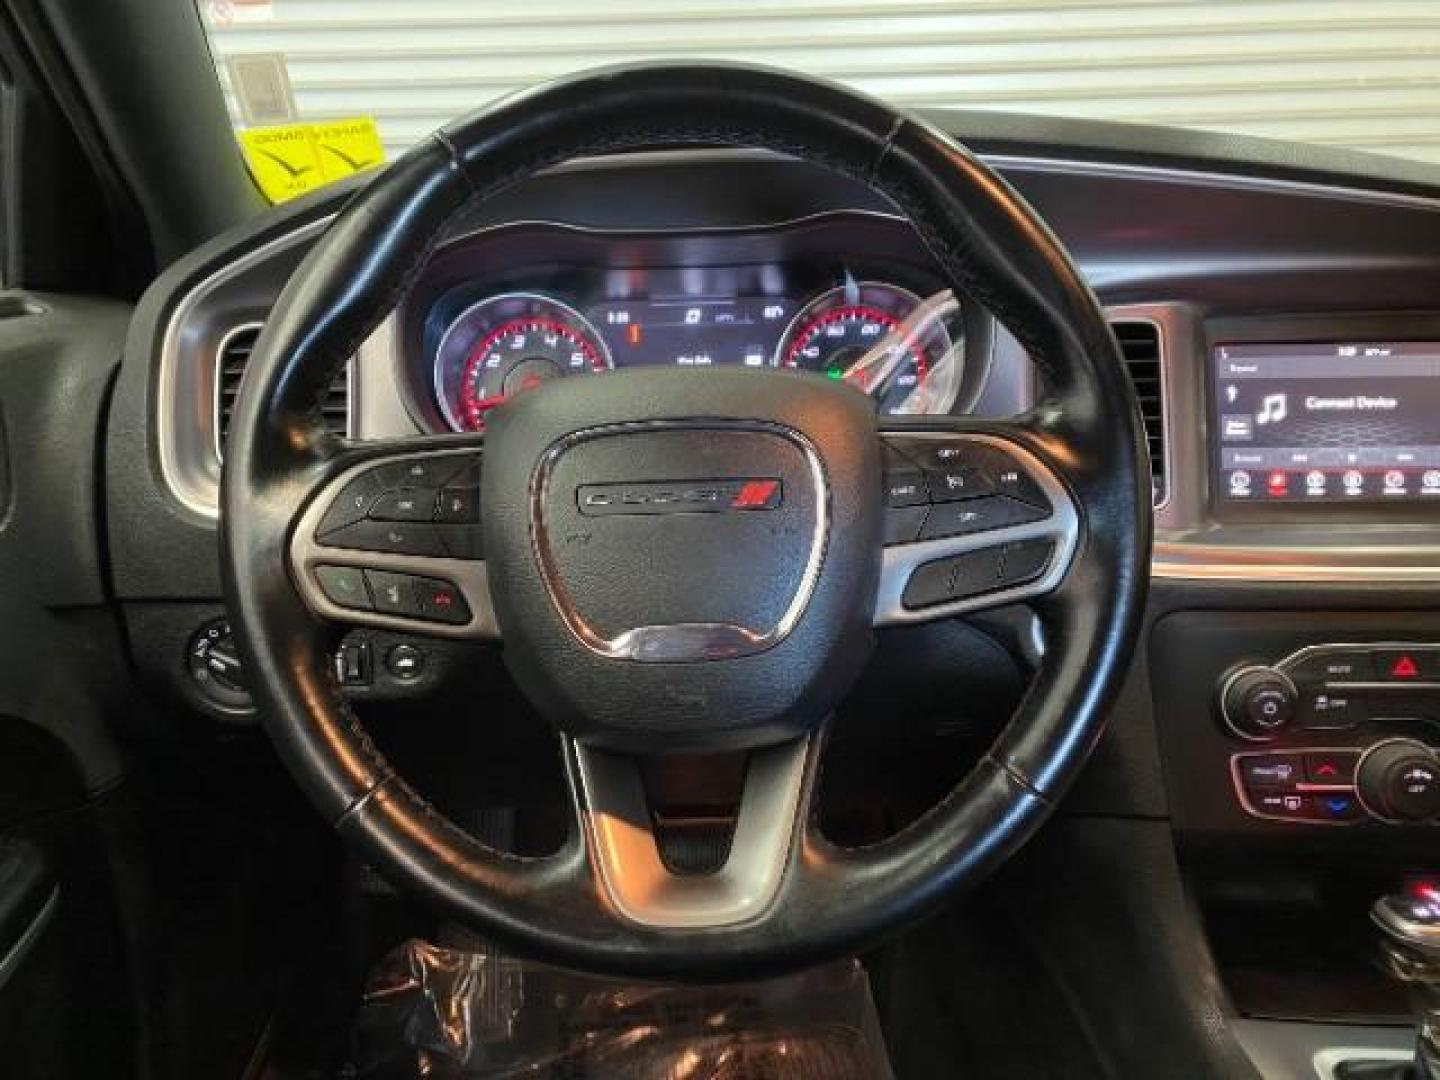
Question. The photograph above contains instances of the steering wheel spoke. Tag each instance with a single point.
(622, 827)
(391, 538)
(974, 519)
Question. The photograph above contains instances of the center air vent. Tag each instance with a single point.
(230, 361)
(1140, 345)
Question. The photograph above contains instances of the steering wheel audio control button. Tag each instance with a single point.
(458, 506)
(344, 586)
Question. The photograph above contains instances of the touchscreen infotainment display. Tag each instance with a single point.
(1356, 421)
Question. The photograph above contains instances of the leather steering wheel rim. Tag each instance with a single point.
(988, 244)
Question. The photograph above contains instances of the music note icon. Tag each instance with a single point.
(1272, 409)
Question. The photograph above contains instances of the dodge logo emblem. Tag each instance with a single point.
(680, 497)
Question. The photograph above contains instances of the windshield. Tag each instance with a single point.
(320, 88)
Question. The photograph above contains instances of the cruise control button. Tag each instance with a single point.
(440, 601)
(905, 487)
(394, 593)
(1272, 770)
(398, 537)
(978, 515)
(458, 506)
(1331, 766)
(1010, 479)
(353, 503)
(952, 485)
(344, 586)
(942, 454)
(404, 504)
(903, 526)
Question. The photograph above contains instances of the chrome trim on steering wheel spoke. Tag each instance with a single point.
(900, 561)
(612, 806)
(469, 575)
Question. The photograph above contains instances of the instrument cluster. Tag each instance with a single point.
(602, 302)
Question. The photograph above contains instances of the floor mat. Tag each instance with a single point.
(443, 1013)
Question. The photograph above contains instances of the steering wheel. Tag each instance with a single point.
(688, 561)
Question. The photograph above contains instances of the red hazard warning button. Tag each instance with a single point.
(1407, 665)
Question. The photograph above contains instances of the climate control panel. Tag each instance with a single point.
(1349, 726)
(1332, 688)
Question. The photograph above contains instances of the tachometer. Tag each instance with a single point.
(505, 345)
(883, 340)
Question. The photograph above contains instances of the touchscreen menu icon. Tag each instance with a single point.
(1273, 409)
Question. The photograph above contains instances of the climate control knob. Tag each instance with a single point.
(1398, 780)
(1258, 703)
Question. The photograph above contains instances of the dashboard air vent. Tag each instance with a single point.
(230, 361)
(1140, 345)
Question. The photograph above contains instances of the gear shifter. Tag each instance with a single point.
(1410, 949)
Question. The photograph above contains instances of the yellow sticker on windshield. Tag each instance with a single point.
(290, 159)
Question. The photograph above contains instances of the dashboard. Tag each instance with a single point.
(839, 296)
(1280, 325)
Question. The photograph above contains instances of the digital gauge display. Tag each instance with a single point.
(904, 351)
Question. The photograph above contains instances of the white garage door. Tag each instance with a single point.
(1356, 73)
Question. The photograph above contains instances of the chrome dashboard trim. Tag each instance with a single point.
(1197, 561)
(189, 469)
(1162, 318)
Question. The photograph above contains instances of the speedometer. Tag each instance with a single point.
(883, 340)
(508, 344)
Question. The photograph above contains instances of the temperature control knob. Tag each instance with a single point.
(1398, 780)
(1258, 702)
